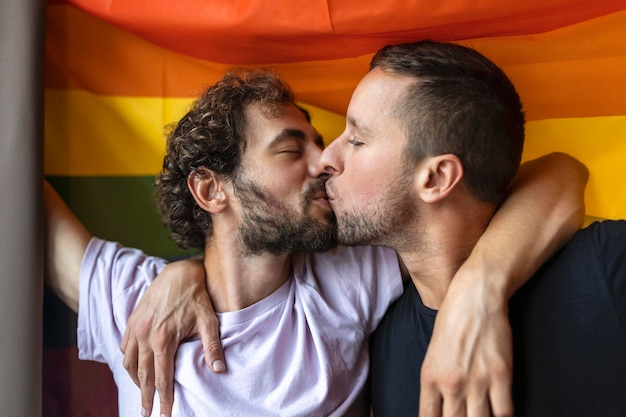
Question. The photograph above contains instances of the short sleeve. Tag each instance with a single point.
(112, 279)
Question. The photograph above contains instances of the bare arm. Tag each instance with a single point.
(468, 365)
(150, 344)
(66, 240)
(544, 209)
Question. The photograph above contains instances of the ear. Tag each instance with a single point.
(207, 190)
(438, 176)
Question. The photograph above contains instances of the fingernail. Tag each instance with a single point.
(218, 366)
(144, 412)
(163, 415)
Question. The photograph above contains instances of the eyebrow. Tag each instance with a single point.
(352, 122)
(287, 134)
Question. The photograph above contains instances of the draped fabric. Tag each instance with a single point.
(118, 71)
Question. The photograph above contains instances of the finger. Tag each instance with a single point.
(212, 345)
(477, 393)
(125, 340)
(454, 407)
(430, 402)
(478, 405)
(130, 359)
(501, 399)
(145, 374)
(164, 379)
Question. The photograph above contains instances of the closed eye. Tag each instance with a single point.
(355, 142)
(294, 151)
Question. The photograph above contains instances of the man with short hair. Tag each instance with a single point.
(455, 145)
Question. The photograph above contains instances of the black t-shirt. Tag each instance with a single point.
(569, 336)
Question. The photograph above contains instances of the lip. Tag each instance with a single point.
(328, 193)
(321, 194)
(329, 200)
(322, 197)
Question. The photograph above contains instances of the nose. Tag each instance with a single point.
(330, 163)
(319, 163)
(313, 164)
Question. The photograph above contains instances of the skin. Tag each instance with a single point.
(280, 152)
(364, 162)
(372, 201)
(280, 160)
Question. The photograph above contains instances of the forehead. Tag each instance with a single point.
(374, 102)
(264, 126)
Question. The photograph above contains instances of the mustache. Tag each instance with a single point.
(314, 188)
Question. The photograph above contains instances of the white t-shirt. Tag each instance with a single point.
(301, 351)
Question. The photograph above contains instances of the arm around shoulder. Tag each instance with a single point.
(470, 350)
(545, 207)
(66, 240)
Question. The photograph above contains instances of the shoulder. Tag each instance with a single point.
(609, 246)
(113, 278)
(359, 267)
(598, 244)
(589, 268)
(360, 280)
(359, 259)
(599, 240)
(111, 259)
(608, 232)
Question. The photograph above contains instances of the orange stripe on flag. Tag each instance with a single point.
(263, 32)
(571, 72)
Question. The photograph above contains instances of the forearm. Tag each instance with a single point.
(470, 353)
(66, 240)
(545, 207)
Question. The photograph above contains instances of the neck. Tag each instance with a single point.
(235, 281)
(445, 242)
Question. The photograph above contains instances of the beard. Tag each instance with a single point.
(269, 226)
(385, 222)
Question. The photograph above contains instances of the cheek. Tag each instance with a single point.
(284, 178)
(361, 188)
(289, 187)
(368, 178)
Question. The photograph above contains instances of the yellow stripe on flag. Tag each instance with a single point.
(98, 135)
(600, 143)
(88, 134)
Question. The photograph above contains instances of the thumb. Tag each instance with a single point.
(210, 335)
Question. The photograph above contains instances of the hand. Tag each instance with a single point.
(467, 370)
(176, 306)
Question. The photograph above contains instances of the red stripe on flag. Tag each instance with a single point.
(75, 388)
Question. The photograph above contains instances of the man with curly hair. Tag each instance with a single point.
(242, 182)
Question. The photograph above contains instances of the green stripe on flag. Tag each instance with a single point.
(121, 209)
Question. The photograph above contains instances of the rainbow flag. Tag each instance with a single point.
(117, 72)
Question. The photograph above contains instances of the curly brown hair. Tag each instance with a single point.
(211, 135)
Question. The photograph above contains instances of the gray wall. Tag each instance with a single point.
(21, 242)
